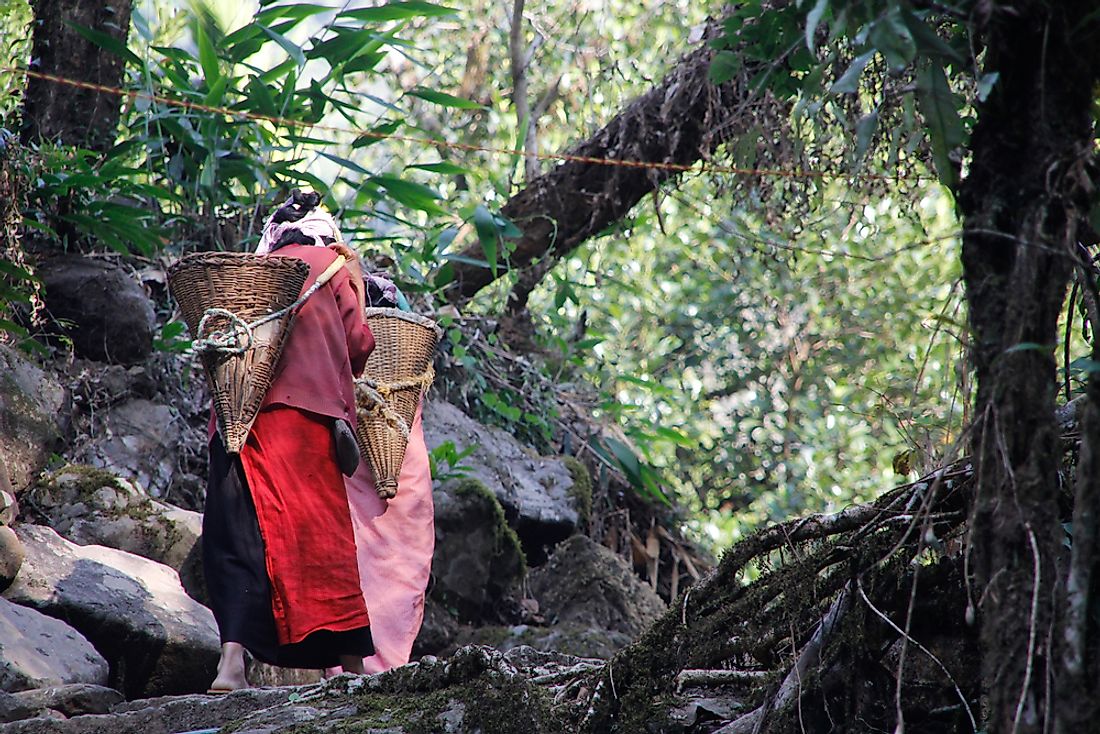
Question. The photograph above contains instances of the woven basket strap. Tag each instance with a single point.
(379, 392)
(237, 338)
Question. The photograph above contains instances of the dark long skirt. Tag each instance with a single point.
(237, 580)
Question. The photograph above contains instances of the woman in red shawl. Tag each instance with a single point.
(278, 543)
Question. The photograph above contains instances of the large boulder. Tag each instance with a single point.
(587, 584)
(11, 556)
(478, 558)
(32, 419)
(156, 639)
(106, 313)
(536, 492)
(74, 699)
(138, 439)
(91, 506)
(38, 651)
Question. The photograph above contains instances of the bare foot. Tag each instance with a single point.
(230, 675)
(352, 664)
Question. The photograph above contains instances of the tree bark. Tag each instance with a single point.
(1027, 188)
(682, 120)
(66, 114)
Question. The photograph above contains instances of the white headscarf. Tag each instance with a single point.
(317, 224)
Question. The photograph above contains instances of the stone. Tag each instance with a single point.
(11, 556)
(9, 506)
(566, 638)
(32, 419)
(165, 715)
(137, 439)
(437, 631)
(478, 558)
(74, 699)
(13, 709)
(92, 506)
(156, 639)
(534, 491)
(589, 585)
(38, 651)
(110, 318)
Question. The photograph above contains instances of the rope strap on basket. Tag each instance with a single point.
(378, 394)
(229, 339)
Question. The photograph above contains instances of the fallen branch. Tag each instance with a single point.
(792, 683)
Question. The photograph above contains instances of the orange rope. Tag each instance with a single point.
(286, 122)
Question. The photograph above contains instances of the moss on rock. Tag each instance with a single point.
(580, 490)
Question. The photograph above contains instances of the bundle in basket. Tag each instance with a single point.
(397, 374)
(232, 303)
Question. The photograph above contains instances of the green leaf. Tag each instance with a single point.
(865, 131)
(444, 167)
(892, 38)
(106, 42)
(398, 11)
(487, 234)
(411, 194)
(1029, 347)
(292, 49)
(848, 83)
(380, 132)
(723, 67)
(939, 107)
(986, 83)
(444, 99)
(928, 43)
(345, 163)
(813, 18)
(208, 57)
(297, 12)
(1085, 365)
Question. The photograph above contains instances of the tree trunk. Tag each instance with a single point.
(682, 120)
(67, 114)
(1028, 186)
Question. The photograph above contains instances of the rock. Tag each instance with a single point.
(262, 675)
(587, 584)
(11, 556)
(137, 439)
(437, 631)
(70, 700)
(534, 491)
(91, 506)
(32, 407)
(567, 638)
(13, 709)
(38, 651)
(111, 317)
(156, 639)
(477, 558)
(9, 506)
(160, 715)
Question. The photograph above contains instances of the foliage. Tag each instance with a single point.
(445, 461)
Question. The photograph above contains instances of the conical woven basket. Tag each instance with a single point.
(398, 372)
(250, 287)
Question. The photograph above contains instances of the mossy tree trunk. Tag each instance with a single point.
(1027, 189)
(83, 117)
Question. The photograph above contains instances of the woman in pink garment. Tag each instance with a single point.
(394, 541)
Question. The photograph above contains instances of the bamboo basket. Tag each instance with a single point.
(397, 374)
(250, 287)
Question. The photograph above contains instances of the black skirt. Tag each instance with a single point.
(237, 582)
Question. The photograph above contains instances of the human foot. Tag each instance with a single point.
(230, 675)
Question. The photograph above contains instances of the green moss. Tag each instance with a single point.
(88, 479)
(581, 491)
(505, 538)
(413, 699)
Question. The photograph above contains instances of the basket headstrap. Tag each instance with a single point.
(236, 338)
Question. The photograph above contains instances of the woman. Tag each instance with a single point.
(395, 539)
(278, 541)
